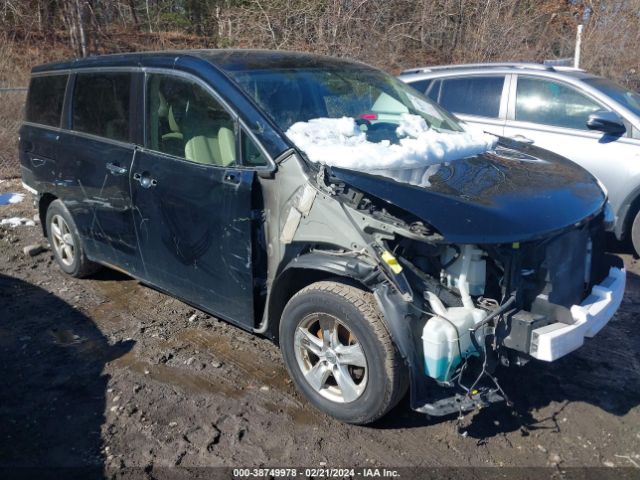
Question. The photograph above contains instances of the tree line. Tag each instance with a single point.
(391, 34)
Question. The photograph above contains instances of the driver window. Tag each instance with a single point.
(551, 103)
(184, 120)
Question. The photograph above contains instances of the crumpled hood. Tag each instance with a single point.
(508, 195)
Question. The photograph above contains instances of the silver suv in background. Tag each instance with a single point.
(586, 118)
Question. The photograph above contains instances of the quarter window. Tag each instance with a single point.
(252, 156)
(472, 95)
(101, 104)
(45, 100)
(552, 103)
(185, 120)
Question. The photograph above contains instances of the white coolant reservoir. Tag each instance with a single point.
(469, 267)
(446, 339)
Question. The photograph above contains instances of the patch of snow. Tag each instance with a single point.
(10, 198)
(17, 221)
(411, 126)
(16, 198)
(340, 142)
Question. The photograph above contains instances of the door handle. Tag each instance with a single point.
(145, 180)
(37, 162)
(522, 139)
(231, 177)
(116, 169)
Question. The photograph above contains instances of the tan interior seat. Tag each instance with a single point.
(217, 149)
(203, 150)
(227, 145)
(173, 126)
(209, 137)
(166, 111)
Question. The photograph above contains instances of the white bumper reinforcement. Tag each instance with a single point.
(556, 340)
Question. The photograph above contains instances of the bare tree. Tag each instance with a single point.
(391, 34)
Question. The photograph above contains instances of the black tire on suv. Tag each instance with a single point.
(635, 234)
(66, 243)
(339, 353)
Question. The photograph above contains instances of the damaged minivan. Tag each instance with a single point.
(322, 203)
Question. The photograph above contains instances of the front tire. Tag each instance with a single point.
(635, 234)
(66, 243)
(339, 353)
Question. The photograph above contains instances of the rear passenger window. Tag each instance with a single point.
(472, 95)
(101, 104)
(45, 99)
(185, 120)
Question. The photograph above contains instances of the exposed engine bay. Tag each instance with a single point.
(468, 308)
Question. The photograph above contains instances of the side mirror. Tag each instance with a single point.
(606, 122)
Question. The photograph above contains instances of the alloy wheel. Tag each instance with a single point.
(330, 357)
(63, 243)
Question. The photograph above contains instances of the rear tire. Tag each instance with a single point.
(339, 353)
(635, 234)
(66, 242)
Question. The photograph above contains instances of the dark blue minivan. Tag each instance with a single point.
(322, 203)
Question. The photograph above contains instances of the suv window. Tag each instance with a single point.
(421, 85)
(45, 100)
(433, 91)
(552, 103)
(101, 104)
(472, 95)
(291, 95)
(251, 154)
(185, 120)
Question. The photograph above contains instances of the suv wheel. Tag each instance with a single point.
(65, 242)
(635, 234)
(339, 353)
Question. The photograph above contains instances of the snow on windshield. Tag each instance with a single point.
(339, 142)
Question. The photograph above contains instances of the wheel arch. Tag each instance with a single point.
(309, 268)
(400, 321)
(43, 205)
(623, 227)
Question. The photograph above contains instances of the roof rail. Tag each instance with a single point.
(536, 66)
(566, 68)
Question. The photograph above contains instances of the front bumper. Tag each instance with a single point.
(553, 341)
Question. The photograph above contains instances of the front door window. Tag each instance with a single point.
(186, 121)
(552, 103)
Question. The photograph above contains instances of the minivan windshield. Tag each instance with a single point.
(371, 97)
(627, 98)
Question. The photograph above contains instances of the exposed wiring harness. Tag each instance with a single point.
(472, 332)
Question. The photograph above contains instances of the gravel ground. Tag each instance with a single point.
(107, 373)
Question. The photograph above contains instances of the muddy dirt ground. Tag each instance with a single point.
(106, 372)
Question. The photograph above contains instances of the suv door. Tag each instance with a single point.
(553, 115)
(40, 133)
(193, 200)
(94, 160)
(476, 99)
